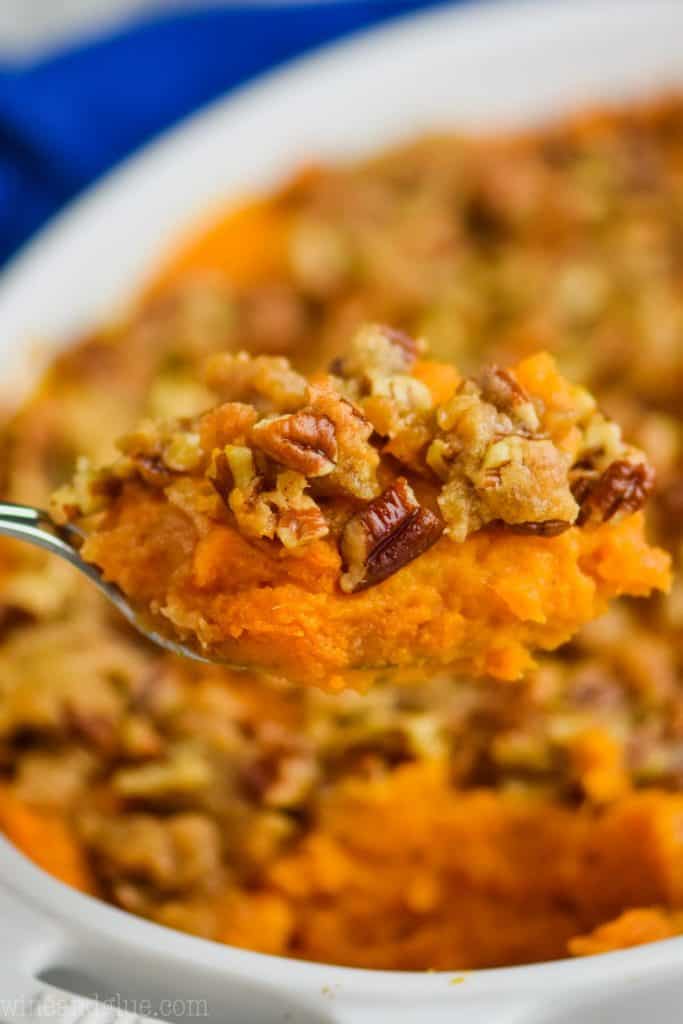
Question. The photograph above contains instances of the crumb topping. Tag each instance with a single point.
(291, 461)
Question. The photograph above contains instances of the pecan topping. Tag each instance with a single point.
(521, 449)
(97, 729)
(357, 459)
(229, 423)
(267, 382)
(547, 528)
(297, 526)
(153, 470)
(220, 476)
(502, 389)
(285, 511)
(390, 531)
(405, 342)
(376, 349)
(621, 490)
(305, 441)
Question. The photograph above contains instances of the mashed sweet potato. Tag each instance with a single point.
(481, 606)
(404, 870)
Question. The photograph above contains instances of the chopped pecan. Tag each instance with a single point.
(304, 441)
(182, 452)
(390, 531)
(234, 478)
(157, 451)
(405, 342)
(301, 526)
(153, 470)
(357, 459)
(285, 511)
(282, 773)
(621, 490)
(299, 519)
(501, 388)
(547, 528)
(220, 476)
(376, 349)
(97, 729)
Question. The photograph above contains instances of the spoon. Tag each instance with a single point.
(34, 526)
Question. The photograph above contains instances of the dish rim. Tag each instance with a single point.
(27, 273)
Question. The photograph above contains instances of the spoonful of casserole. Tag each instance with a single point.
(388, 516)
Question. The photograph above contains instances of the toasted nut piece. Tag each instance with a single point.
(502, 389)
(285, 512)
(233, 477)
(268, 382)
(232, 467)
(405, 342)
(89, 492)
(621, 490)
(391, 531)
(441, 455)
(305, 441)
(183, 452)
(548, 528)
(241, 462)
(357, 460)
(297, 527)
(405, 394)
(153, 470)
(144, 448)
(376, 349)
(299, 519)
(229, 423)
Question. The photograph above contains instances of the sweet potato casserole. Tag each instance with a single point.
(259, 401)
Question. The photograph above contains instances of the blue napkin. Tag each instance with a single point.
(70, 116)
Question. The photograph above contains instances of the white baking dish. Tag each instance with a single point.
(474, 67)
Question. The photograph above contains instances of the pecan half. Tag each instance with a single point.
(621, 490)
(390, 531)
(304, 441)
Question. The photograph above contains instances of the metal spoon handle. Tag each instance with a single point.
(35, 527)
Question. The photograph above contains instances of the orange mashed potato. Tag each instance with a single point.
(480, 878)
(480, 606)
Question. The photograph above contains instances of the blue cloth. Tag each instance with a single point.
(70, 116)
